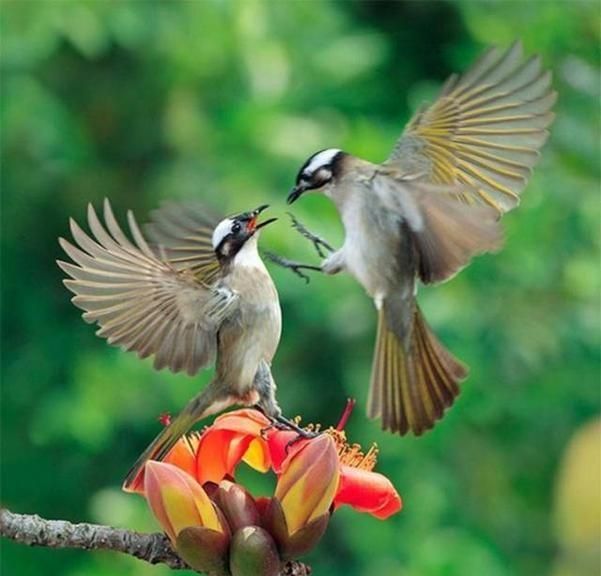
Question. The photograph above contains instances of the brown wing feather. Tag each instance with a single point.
(484, 131)
(141, 302)
(183, 235)
(446, 233)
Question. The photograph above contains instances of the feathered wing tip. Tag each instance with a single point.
(412, 386)
(486, 129)
(140, 302)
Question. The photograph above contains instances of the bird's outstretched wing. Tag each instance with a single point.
(484, 131)
(182, 233)
(446, 234)
(140, 301)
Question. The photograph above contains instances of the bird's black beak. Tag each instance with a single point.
(295, 193)
(263, 224)
(252, 225)
(260, 209)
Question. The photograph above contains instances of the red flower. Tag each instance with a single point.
(233, 437)
(218, 527)
(248, 435)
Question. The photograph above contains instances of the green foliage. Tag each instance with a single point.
(222, 101)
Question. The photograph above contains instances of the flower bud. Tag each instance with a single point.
(292, 545)
(253, 553)
(204, 550)
(177, 500)
(237, 505)
(298, 515)
(308, 482)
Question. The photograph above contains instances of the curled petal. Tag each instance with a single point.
(308, 482)
(367, 492)
(177, 500)
(233, 437)
(245, 421)
(257, 455)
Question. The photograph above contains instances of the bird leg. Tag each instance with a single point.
(291, 425)
(296, 267)
(282, 423)
(264, 385)
(316, 240)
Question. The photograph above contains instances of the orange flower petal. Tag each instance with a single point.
(367, 492)
(245, 421)
(237, 448)
(211, 456)
(183, 454)
(233, 437)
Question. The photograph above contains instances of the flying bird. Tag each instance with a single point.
(196, 292)
(421, 215)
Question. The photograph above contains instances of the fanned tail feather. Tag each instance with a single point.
(412, 384)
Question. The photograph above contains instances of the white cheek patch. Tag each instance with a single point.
(221, 231)
(320, 160)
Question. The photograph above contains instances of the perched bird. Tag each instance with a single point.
(196, 292)
(423, 213)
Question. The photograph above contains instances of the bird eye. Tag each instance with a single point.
(236, 227)
(323, 175)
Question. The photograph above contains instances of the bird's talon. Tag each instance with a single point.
(305, 435)
(291, 265)
(316, 240)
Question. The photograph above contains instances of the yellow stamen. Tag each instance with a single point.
(348, 454)
(352, 454)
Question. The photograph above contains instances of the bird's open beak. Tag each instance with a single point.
(252, 225)
(295, 193)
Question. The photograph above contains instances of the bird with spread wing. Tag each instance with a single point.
(194, 293)
(421, 216)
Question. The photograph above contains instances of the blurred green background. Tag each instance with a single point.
(222, 101)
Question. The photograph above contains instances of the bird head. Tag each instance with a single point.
(317, 173)
(233, 233)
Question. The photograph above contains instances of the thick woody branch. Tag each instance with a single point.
(152, 548)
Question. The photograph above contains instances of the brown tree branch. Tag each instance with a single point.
(155, 548)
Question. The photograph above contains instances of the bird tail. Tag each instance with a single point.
(199, 407)
(414, 379)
